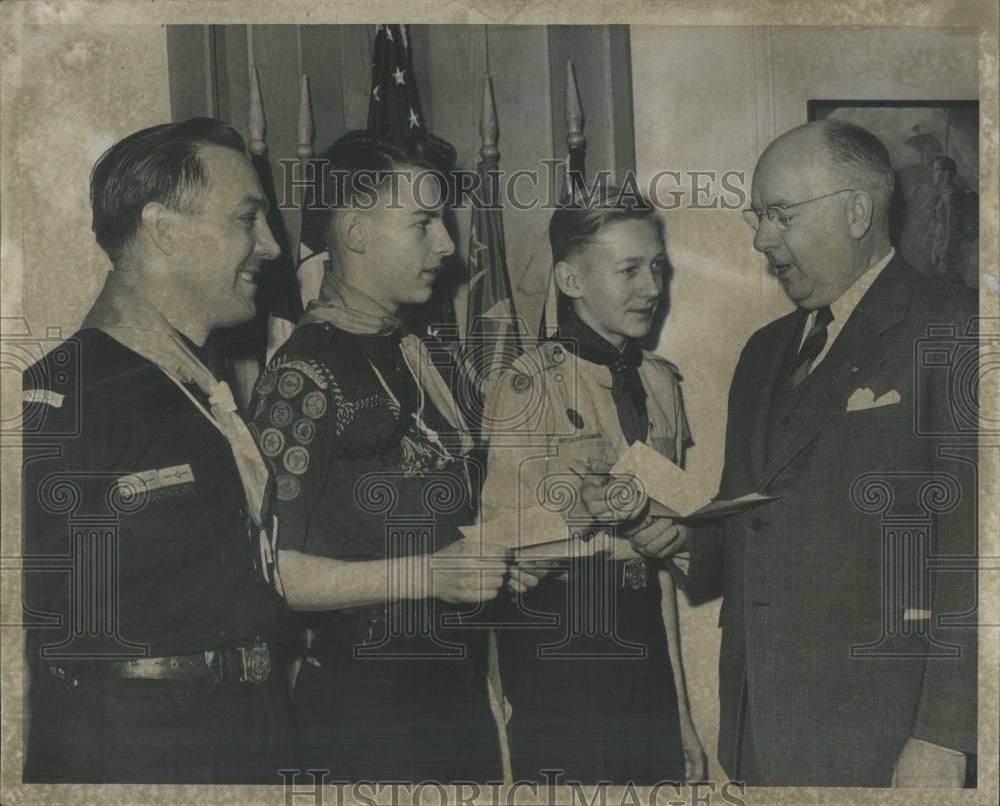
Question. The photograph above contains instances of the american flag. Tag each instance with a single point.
(394, 108)
(394, 105)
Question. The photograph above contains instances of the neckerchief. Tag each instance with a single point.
(626, 386)
(353, 311)
(132, 320)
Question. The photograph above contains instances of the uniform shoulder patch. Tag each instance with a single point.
(538, 359)
(520, 382)
(288, 372)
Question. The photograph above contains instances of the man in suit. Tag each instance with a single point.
(848, 656)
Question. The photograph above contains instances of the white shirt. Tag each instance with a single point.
(844, 306)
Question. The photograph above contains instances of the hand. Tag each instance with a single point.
(525, 575)
(659, 537)
(468, 572)
(695, 760)
(616, 499)
(922, 764)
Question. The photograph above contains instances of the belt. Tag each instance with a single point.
(630, 574)
(243, 664)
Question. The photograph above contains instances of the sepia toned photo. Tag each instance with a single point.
(434, 404)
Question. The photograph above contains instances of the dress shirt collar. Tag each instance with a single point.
(844, 306)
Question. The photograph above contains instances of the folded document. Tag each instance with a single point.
(674, 493)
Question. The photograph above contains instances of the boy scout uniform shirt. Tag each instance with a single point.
(101, 424)
(334, 416)
(588, 708)
(364, 472)
(551, 409)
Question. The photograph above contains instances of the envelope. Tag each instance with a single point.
(673, 492)
(520, 528)
(862, 399)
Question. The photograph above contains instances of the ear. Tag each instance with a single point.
(860, 213)
(159, 222)
(352, 230)
(566, 278)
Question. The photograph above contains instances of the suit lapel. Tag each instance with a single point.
(761, 395)
(852, 359)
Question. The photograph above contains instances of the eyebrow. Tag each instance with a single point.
(638, 259)
(256, 202)
(433, 213)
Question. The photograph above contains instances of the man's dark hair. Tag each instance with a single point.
(359, 164)
(862, 158)
(158, 164)
(575, 223)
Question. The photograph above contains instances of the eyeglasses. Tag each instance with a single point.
(777, 214)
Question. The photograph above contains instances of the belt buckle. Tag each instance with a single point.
(256, 662)
(634, 574)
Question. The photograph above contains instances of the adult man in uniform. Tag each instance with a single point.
(847, 657)
(367, 447)
(150, 648)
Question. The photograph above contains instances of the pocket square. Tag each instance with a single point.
(862, 399)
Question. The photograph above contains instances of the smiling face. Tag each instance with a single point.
(222, 242)
(818, 258)
(405, 242)
(616, 279)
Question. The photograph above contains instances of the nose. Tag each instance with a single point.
(652, 283)
(442, 244)
(267, 247)
(767, 236)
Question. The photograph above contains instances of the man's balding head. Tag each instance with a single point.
(821, 194)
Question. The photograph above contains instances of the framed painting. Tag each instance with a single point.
(934, 149)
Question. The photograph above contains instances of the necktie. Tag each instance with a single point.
(812, 346)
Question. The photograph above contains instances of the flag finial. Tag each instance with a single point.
(489, 129)
(304, 149)
(256, 123)
(574, 111)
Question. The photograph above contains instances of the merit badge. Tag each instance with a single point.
(266, 383)
(296, 460)
(281, 414)
(288, 487)
(314, 405)
(304, 430)
(290, 383)
(272, 441)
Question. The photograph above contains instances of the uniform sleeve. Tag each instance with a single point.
(53, 456)
(296, 420)
(684, 438)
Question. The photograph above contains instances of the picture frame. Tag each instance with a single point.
(916, 134)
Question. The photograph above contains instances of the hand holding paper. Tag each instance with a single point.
(613, 500)
(672, 492)
(660, 537)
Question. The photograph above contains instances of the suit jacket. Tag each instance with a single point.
(842, 635)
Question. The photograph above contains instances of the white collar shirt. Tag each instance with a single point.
(844, 306)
